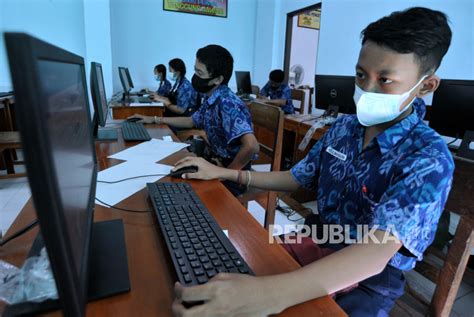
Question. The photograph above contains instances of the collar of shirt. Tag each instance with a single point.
(399, 131)
(222, 89)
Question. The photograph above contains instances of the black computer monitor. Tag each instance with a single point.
(124, 80)
(452, 109)
(54, 122)
(335, 91)
(101, 107)
(130, 82)
(244, 85)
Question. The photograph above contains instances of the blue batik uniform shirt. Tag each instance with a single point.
(164, 88)
(398, 183)
(282, 92)
(225, 118)
(186, 96)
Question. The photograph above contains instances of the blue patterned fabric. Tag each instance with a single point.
(225, 118)
(164, 88)
(186, 95)
(282, 92)
(399, 182)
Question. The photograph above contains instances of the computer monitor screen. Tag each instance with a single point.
(130, 82)
(98, 94)
(452, 110)
(124, 79)
(335, 91)
(54, 121)
(244, 84)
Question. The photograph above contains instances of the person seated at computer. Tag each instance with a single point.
(382, 178)
(182, 99)
(278, 92)
(223, 116)
(160, 76)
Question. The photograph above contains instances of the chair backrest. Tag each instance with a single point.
(268, 126)
(298, 95)
(255, 89)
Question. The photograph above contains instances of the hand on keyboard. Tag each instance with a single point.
(205, 171)
(228, 294)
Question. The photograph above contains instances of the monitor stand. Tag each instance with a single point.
(108, 270)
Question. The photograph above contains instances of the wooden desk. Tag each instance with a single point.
(151, 273)
(122, 110)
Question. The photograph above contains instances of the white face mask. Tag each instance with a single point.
(172, 76)
(376, 108)
(157, 77)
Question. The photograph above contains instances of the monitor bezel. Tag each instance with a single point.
(317, 100)
(130, 82)
(95, 92)
(240, 74)
(23, 52)
(122, 80)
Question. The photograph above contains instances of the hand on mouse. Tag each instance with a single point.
(228, 295)
(144, 119)
(205, 171)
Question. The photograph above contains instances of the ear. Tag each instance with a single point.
(217, 81)
(429, 85)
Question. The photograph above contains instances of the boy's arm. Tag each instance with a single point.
(235, 295)
(249, 147)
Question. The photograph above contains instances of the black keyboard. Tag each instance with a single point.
(134, 131)
(143, 100)
(198, 247)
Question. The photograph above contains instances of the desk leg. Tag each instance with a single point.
(453, 269)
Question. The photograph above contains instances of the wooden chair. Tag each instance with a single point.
(268, 125)
(299, 96)
(255, 89)
(9, 139)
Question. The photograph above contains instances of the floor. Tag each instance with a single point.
(14, 194)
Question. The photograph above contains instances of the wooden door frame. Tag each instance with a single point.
(289, 33)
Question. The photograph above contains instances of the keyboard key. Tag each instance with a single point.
(202, 279)
(187, 278)
(198, 272)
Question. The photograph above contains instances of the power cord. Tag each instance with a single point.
(129, 178)
(122, 209)
(19, 233)
(288, 212)
(452, 141)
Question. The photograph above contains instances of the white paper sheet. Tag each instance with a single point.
(150, 151)
(112, 194)
(146, 104)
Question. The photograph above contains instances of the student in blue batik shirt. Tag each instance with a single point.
(278, 92)
(182, 99)
(383, 169)
(223, 116)
(160, 75)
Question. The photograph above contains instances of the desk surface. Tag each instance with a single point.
(151, 273)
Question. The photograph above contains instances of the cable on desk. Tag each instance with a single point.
(121, 209)
(287, 211)
(452, 141)
(129, 178)
(19, 233)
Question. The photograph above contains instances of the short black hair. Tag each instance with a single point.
(421, 31)
(160, 68)
(178, 65)
(277, 75)
(218, 61)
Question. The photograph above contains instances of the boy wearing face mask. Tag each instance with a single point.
(278, 92)
(383, 170)
(223, 116)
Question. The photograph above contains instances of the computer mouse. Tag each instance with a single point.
(133, 119)
(184, 170)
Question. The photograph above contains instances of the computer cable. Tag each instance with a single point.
(452, 141)
(121, 209)
(129, 178)
(287, 211)
(19, 233)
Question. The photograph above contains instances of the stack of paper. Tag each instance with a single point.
(151, 151)
(112, 194)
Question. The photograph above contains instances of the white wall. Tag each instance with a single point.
(343, 20)
(59, 22)
(304, 50)
(144, 35)
(98, 41)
